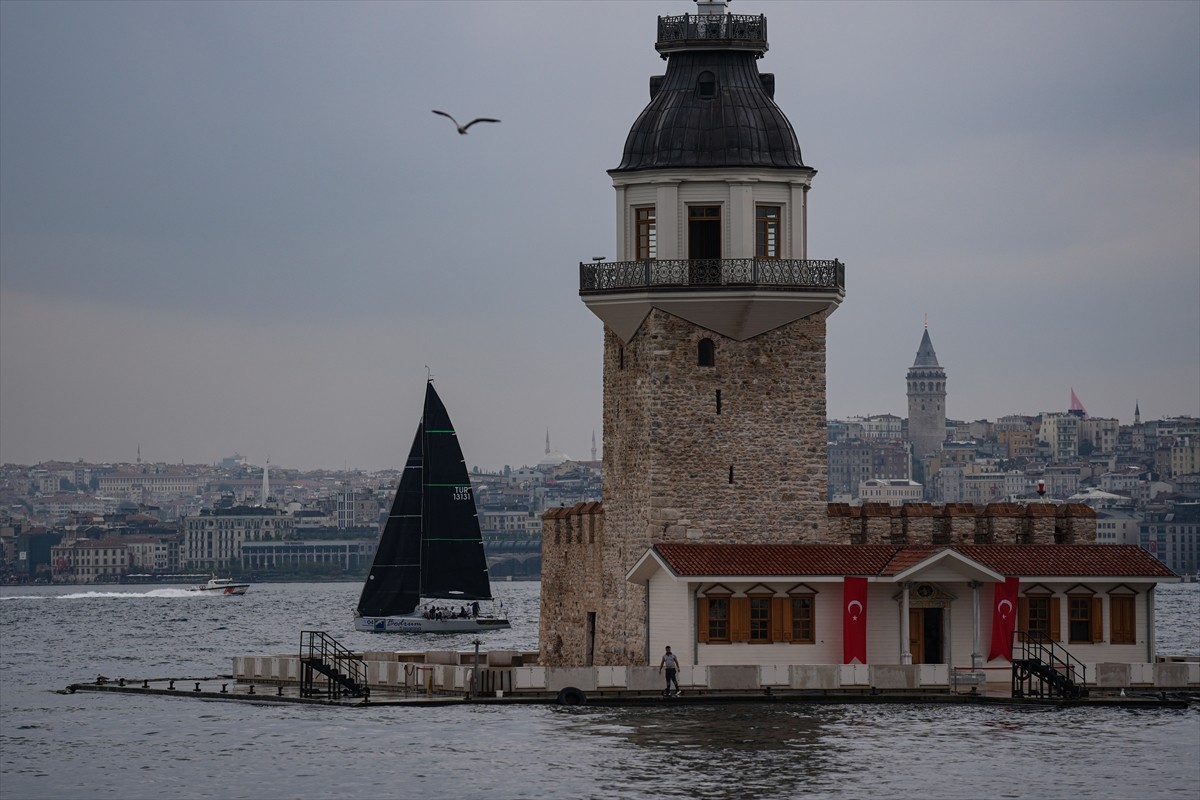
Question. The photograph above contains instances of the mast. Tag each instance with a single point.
(424, 438)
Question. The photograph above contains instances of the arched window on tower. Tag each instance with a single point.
(706, 85)
(706, 353)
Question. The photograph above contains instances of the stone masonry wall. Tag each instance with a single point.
(749, 466)
(960, 523)
(572, 570)
(733, 452)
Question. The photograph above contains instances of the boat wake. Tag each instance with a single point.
(98, 595)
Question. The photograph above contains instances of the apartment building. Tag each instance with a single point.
(894, 492)
(213, 539)
(1172, 535)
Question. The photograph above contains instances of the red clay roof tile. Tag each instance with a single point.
(762, 560)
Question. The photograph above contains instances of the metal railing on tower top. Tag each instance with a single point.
(710, 273)
(727, 29)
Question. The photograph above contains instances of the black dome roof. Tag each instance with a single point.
(728, 120)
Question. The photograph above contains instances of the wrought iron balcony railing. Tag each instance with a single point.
(716, 29)
(708, 273)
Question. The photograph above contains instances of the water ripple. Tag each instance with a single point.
(111, 746)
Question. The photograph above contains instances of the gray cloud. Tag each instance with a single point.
(238, 227)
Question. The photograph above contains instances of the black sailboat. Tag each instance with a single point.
(431, 548)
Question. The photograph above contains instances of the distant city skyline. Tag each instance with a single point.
(238, 227)
(259, 464)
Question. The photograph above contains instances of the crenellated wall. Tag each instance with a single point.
(573, 566)
(961, 523)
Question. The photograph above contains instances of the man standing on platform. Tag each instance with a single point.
(671, 662)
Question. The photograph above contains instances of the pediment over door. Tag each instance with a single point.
(924, 594)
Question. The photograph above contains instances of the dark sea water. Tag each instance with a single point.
(91, 745)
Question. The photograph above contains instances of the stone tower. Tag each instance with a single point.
(926, 401)
(714, 335)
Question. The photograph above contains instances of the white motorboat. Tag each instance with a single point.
(221, 586)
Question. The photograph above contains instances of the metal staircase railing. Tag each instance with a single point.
(329, 669)
(1043, 668)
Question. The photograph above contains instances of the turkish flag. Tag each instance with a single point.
(1004, 618)
(854, 620)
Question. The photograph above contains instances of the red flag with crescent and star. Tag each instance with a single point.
(1004, 618)
(854, 620)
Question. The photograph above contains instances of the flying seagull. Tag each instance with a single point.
(463, 128)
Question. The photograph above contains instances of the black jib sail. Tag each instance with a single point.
(431, 546)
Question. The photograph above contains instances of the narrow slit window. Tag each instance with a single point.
(731, 473)
(718, 401)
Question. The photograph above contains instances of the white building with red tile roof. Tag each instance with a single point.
(932, 608)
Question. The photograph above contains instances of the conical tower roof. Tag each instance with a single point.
(925, 355)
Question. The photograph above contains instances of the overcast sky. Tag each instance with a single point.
(237, 227)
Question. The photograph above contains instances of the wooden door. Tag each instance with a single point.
(931, 636)
(925, 635)
(916, 634)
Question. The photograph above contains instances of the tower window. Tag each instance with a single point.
(647, 234)
(718, 401)
(706, 353)
(767, 241)
(620, 358)
(706, 85)
(704, 243)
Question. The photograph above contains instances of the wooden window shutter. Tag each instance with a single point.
(1121, 614)
(739, 619)
(1023, 614)
(781, 619)
(702, 618)
(1055, 613)
(1097, 619)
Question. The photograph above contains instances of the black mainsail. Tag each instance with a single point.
(431, 545)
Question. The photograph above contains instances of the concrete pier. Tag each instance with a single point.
(221, 688)
(447, 677)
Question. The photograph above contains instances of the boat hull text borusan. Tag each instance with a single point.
(415, 623)
(431, 549)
